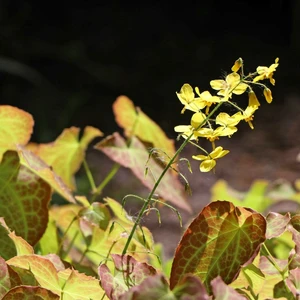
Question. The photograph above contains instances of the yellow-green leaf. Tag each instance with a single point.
(16, 127)
(66, 153)
(135, 122)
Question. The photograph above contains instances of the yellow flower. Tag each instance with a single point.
(268, 95)
(247, 115)
(186, 130)
(208, 99)
(266, 72)
(231, 84)
(227, 123)
(208, 133)
(237, 65)
(209, 161)
(187, 97)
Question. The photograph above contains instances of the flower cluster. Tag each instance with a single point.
(204, 105)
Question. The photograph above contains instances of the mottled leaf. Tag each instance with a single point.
(16, 127)
(7, 246)
(222, 291)
(276, 224)
(218, 242)
(135, 122)
(24, 199)
(30, 293)
(66, 153)
(36, 165)
(135, 158)
(153, 287)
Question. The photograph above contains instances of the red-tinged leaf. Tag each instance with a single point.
(42, 269)
(190, 288)
(268, 268)
(66, 153)
(222, 291)
(16, 127)
(135, 122)
(128, 272)
(24, 199)
(30, 293)
(56, 261)
(4, 278)
(293, 282)
(112, 286)
(76, 285)
(132, 270)
(276, 224)
(153, 287)
(135, 158)
(32, 162)
(218, 242)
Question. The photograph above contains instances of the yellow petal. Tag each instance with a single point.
(199, 157)
(186, 94)
(237, 64)
(207, 165)
(268, 95)
(218, 152)
(233, 78)
(217, 84)
(198, 119)
(182, 128)
(240, 89)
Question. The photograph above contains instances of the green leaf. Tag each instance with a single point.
(24, 199)
(218, 242)
(30, 292)
(135, 158)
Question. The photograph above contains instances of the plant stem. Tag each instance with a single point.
(106, 180)
(147, 202)
(89, 175)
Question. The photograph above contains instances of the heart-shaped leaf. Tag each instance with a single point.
(135, 158)
(66, 153)
(218, 242)
(137, 123)
(16, 127)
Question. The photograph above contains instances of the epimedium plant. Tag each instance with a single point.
(90, 248)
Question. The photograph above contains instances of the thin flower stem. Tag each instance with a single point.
(89, 175)
(107, 179)
(150, 196)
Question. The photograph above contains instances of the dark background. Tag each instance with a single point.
(66, 62)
